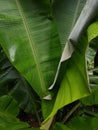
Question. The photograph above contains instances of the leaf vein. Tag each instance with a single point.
(31, 42)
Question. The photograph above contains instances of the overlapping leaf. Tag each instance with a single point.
(80, 123)
(74, 82)
(66, 14)
(8, 112)
(29, 37)
(11, 82)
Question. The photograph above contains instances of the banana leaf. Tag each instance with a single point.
(66, 14)
(74, 83)
(72, 71)
(29, 37)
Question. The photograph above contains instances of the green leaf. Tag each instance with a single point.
(60, 126)
(66, 14)
(8, 106)
(47, 107)
(24, 95)
(72, 73)
(93, 31)
(79, 28)
(80, 123)
(12, 83)
(74, 84)
(29, 37)
(91, 99)
(8, 112)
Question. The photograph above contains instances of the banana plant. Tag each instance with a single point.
(46, 42)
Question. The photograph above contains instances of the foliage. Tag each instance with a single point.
(8, 112)
(12, 83)
(46, 43)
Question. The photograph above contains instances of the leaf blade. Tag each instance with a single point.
(30, 30)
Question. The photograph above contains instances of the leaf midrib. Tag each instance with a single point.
(31, 42)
